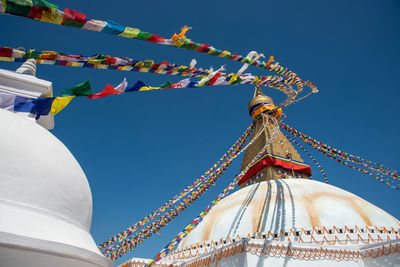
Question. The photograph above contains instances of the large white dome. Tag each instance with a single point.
(285, 205)
(45, 198)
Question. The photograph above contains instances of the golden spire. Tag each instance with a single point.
(280, 160)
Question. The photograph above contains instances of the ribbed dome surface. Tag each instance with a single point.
(283, 205)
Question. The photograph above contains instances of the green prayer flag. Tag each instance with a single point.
(32, 54)
(148, 63)
(19, 7)
(238, 80)
(195, 46)
(144, 35)
(82, 89)
(44, 3)
(185, 44)
(165, 85)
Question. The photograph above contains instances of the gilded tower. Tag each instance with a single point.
(280, 160)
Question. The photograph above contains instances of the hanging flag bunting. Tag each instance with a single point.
(130, 243)
(84, 89)
(46, 12)
(120, 249)
(209, 77)
(378, 171)
(236, 146)
(37, 107)
(175, 242)
(311, 157)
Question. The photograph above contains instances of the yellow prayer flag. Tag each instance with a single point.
(54, 16)
(233, 78)
(59, 103)
(148, 88)
(224, 53)
(143, 69)
(95, 61)
(212, 50)
(76, 64)
(139, 64)
(130, 32)
(6, 59)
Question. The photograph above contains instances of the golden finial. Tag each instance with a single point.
(259, 97)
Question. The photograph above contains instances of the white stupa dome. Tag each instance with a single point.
(289, 222)
(45, 200)
(287, 205)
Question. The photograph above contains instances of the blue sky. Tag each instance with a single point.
(139, 149)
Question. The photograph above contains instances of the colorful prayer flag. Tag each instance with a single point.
(83, 89)
(60, 103)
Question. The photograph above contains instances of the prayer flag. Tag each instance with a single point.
(73, 18)
(42, 106)
(156, 39)
(37, 11)
(83, 89)
(2, 7)
(7, 101)
(23, 104)
(130, 32)
(135, 87)
(60, 103)
(6, 52)
(148, 88)
(166, 85)
(44, 3)
(94, 25)
(180, 84)
(19, 7)
(109, 90)
(53, 16)
(113, 27)
(143, 35)
(122, 86)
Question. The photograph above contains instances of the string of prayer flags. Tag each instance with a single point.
(175, 242)
(127, 245)
(121, 236)
(185, 198)
(46, 12)
(209, 77)
(376, 170)
(311, 157)
(37, 107)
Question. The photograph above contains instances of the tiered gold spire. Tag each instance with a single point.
(280, 152)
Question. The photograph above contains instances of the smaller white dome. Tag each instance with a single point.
(289, 204)
(45, 198)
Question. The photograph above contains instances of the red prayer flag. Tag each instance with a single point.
(202, 47)
(36, 12)
(156, 39)
(109, 90)
(110, 61)
(6, 52)
(174, 85)
(70, 14)
(214, 78)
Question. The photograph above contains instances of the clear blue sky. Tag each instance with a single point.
(139, 149)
